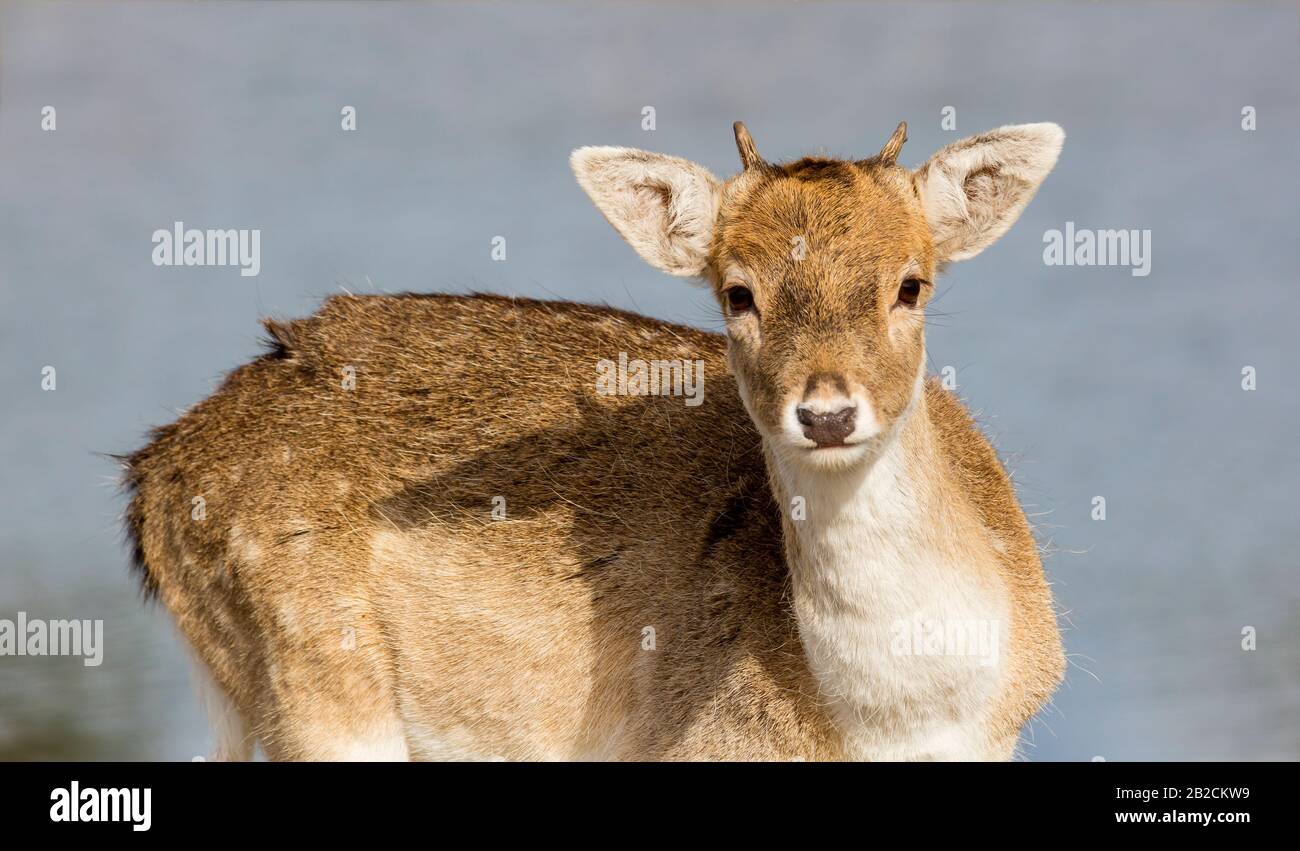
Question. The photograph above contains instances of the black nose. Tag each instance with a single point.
(827, 429)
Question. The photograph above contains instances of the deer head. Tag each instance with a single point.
(822, 267)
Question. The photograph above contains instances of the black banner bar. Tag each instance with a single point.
(213, 800)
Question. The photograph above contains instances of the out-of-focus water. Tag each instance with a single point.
(1092, 382)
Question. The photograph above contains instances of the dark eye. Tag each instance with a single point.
(909, 291)
(739, 299)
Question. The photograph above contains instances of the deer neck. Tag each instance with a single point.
(888, 501)
(874, 553)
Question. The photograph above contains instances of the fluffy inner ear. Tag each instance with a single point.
(663, 206)
(973, 190)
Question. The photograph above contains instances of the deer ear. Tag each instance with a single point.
(973, 190)
(663, 206)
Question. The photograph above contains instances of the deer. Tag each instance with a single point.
(412, 529)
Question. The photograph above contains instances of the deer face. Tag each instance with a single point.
(822, 268)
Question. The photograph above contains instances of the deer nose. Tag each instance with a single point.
(827, 429)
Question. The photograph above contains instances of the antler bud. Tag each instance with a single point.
(749, 157)
(889, 153)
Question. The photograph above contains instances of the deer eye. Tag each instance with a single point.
(910, 291)
(739, 299)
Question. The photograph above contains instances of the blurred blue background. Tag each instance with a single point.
(1090, 381)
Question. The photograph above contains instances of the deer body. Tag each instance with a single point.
(467, 551)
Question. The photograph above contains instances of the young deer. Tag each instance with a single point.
(415, 529)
